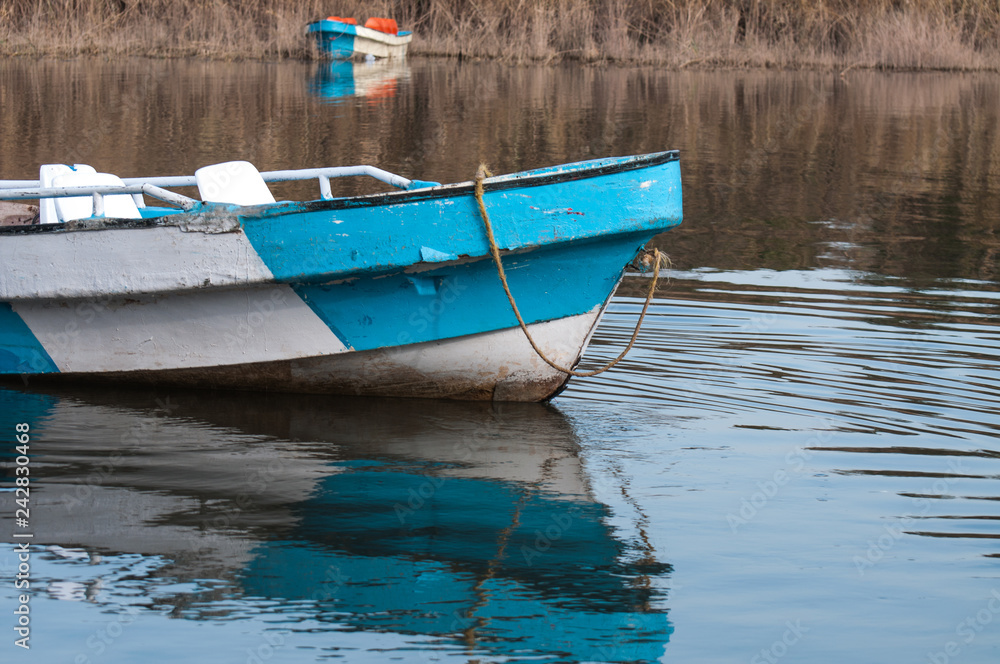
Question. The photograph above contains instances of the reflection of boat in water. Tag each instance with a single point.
(469, 523)
(339, 80)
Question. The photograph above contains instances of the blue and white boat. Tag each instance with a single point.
(391, 294)
(342, 39)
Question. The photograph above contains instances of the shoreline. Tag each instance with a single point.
(706, 64)
(839, 35)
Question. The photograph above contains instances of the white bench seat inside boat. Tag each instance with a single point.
(47, 174)
(233, 182)
(120, 206)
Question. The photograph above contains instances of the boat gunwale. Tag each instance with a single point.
(327, 26)
(521, 179)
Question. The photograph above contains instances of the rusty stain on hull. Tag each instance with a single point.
(17, 214)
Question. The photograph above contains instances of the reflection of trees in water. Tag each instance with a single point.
(895, 174)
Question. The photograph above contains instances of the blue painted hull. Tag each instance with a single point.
(334, 39)
(391, 310)
(342, 41)
(392, 294)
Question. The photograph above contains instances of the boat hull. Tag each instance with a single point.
(392, 295)
(464, 368)
(342, 41)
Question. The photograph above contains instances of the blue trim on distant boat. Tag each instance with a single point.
(20, 350)
(334, 38)
(338, 27)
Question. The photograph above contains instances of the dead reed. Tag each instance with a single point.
(885, 34)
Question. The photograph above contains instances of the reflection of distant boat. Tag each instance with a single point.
(338, 80)
(465, 522)
(341, 38)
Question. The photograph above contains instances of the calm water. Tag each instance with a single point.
(799, 462)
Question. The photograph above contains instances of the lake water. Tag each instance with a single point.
(799, 461)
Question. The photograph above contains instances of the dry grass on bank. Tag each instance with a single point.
(168, 28)
(888, 34)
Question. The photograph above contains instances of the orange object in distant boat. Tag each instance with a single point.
(386, 25)
(352, 21)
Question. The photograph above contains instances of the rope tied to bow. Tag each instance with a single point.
(653, 257)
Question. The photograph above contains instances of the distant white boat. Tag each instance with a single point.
(342, 38)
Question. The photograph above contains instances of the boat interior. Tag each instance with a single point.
(75, 192)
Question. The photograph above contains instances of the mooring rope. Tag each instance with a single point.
(658, 259)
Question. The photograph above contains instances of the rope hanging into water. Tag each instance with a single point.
(654, 256)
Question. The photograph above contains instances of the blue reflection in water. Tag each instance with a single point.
(342, 81)
(19, 408)
(397, 547)
(333, 80)
(462, 528)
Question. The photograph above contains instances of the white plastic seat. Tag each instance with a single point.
(118, 206)
(46, 174)
(233, 182)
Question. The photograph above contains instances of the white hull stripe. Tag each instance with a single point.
(171, 331)
(498, 365)
(161, 259)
